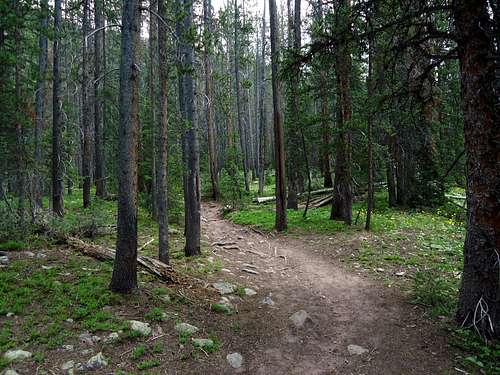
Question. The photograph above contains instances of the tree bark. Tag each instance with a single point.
(342, 200)
(209, 82)
(124, 277)
(262, 108)
(40, 100)
(279, 141)
(57, 179)
(162, 137)
(479, 299)
(238, 93)
(370, 92)
(190, 136)
(86, 154)
(100, 178)
(153, 73)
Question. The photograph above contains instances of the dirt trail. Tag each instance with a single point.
(346, 309)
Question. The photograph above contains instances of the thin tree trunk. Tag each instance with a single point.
(479, 299)
(370, 92)
(212, 157)
(238, 92)
(57, 178)
(20, 162)
(153, 67)
(162, 137)
(100, 180)
(40, 100)
(124, 277)
(279, 141)
(86, 154)
(262, 108)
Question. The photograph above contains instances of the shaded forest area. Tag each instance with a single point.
(125, 125)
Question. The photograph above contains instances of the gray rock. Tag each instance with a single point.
(41, 255)
(96, 362)
(143, 328)
(235, 360)
(10, 372)
(68, 348)
(29, 253)
(10, 314)
(4, 260)
(68, 365)
(250, 292)
(69, 320)
(203, 343)
(16, 355)
(86, 338)
(186, 328)
(224, 287)
(356, 350)
(300, 318)
(157, 330)
(111, 338)
(268, 301)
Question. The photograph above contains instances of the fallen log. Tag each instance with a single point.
(153, 266)
(315, 192)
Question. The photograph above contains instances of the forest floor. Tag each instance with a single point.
(353, 316)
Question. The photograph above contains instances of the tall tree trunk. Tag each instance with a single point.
(57, 178)
(325, 132)
(20, 158)
(342, 196)
(190, 137)
(238, 93)
(40, 100)
(279, 141)
(209, 82)
(153, 73)
(371, 109)
(124, 277)
(100, 178)
(479, 300)
(262, 107)
(86, 154)
(162, 137)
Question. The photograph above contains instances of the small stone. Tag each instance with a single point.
(224, 288)
(143, 328)
(16, 355)
(86, 338)
(69, 320)
(41, 255)
(68, 348)
(96, 338)
(4, 260)
(300, 318)
(379, 270)
(29, 253)
(111, 338)
(67, 365)
(356, 350)
(250, 292)
(402, 273)
(235, 360)
(96, 362)
(203, 343)
(186, 328)
(10, 314)
(268, 301)
(47, 267)
(10, 372)
(166, 298)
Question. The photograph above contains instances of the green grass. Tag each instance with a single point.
(12, 245)
(145, 365)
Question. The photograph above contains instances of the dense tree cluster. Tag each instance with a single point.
(155, 102)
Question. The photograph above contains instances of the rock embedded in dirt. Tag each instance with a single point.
(10, 372)
(143, 328)
(268, 301)
(96, 362)
(235, 360)
(250, 292)
(9, 314)
(68, 365)
(300, 318)
(41, 255)
(356, 350)
(16, 355)
(4, 260)
(68, 348)
(111, 338)
(224, 287)
(186, 328)
(203, 343)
